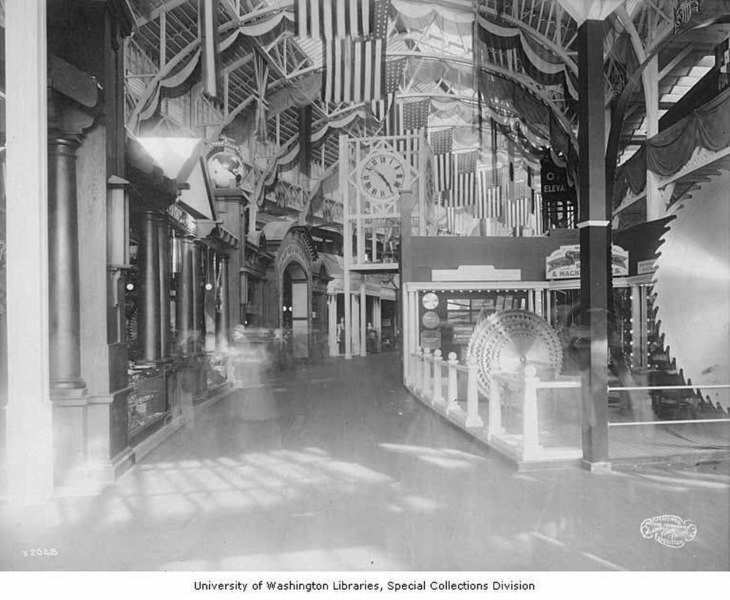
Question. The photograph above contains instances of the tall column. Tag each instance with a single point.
(184, 297)
(332, 324)
(595, 241)
(164, 271)
(63, 247)
(197, 300)
(29, 449)
(150, 309)
(355, 330)
(222, 323)
(650, 80)
(363, 318)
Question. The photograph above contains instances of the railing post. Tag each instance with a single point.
(495, 407)
(417, 363)
(438, 392)
(530, 443)
(452, 392)
(426, 387)
(472, 397)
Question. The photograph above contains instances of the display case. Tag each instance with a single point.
(147, 403)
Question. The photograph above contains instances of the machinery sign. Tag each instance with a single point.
(564, 263)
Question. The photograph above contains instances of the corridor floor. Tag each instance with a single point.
(333, 466)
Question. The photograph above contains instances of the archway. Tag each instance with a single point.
(295, 308)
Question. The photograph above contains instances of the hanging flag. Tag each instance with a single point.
(444, 163)
(442, 141)
(354, 69)
(393, 77)
(208, 32)
(330, 19)
(464, 190)
(415, 115)
(467, 162)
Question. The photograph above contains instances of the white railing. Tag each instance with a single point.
(452, 389)
(437, 382)
(523, 443)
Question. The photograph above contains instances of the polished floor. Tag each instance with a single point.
(333, 466)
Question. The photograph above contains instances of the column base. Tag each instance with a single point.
(596, 467)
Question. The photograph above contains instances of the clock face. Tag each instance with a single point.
(430, 301)
(382, 175)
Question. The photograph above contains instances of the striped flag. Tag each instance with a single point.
(393, 77)
(442, 141)
(208, 32)
(444, 163)
(489, 197)
(464, 190)
(330, 19)
(354, 69)
(415, 115)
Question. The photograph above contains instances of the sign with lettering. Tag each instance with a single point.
(564, 263)
(645, 266)
(554, 181)
(462, 334)
(431, 339)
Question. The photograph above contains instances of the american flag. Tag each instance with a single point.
(442, 141)
(354, 69)
(415, 115)
(464, 189)
(489, 197)
(444, 163)
(467, 162)
(393, 77)
(330, 19)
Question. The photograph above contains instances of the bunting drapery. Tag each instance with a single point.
(667, 152)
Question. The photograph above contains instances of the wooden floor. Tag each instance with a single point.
(334, 466)
(677, 441)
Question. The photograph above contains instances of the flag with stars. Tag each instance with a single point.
(354, 68)
(467, 162)
(415, 115)
(442, 141)
(393, 77)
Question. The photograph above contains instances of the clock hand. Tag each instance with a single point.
(384, 179)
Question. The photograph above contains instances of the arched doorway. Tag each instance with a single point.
(295, 307)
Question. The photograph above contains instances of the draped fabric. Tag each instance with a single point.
(539, 64)
(667, 152)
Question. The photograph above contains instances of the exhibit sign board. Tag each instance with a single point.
(564, 263)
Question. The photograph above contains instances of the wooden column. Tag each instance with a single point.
(63, 251)
(164, 272)
(150, 309)
(29, 462)
(222, 322)
(363, 317)
(595, 241)
(332, 324)
(650, 79)
(197, 299)
(184, 297)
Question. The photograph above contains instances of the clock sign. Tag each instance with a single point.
(382, 175)
(430, 301)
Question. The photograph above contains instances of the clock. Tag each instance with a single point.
(430, 301)
(382, 175)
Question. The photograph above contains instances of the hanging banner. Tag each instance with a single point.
(554, 182)
(564, 263)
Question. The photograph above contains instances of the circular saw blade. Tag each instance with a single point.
(509, 341)
(692, 286)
